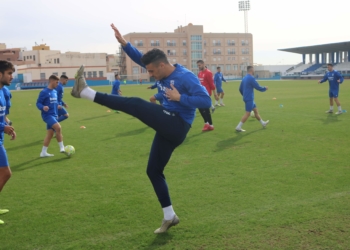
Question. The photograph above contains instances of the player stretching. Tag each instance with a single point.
(246, 88)
(48, 104)
(218, 78)
(206, 78)
(156, 97)
(6, 71)
(334, 78)
(62, 112)
(172, 121)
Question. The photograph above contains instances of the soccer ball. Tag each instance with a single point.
(252, 114)
(69, 150)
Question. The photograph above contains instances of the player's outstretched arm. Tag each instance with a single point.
(130, 50)
(118, 36)
(324, 79)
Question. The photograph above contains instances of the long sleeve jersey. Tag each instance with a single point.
(193, 94)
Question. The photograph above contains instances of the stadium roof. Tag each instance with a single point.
(322, 48)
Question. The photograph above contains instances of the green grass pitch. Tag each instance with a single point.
(283, 187)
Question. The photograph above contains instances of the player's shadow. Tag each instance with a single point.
(159, 241)
(36, 162)
(233, 142)
(93, 118)
(188, 138)
(329, 119)
(128, 133)
(24, 146)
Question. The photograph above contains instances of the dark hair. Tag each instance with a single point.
(6, 65)
(249, 68)
(53, 77)
(64, 77)
(329, 64)
(116, 74)
(218, 68)
(154, 56)
(200, 61)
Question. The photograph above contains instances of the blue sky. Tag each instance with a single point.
(84, 25)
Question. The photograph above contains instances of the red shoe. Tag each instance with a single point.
(206, 127)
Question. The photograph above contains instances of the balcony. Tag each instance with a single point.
(170, 44)
(155, 44)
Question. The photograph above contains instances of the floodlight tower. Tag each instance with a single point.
(244, 6)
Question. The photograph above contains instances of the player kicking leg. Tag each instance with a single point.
(171, 121)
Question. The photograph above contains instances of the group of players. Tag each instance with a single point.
(182, 93)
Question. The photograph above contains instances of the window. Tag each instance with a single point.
(235, 67)
(155, 43)
(231, 43)
(214, 59)
(33, 58)
(63, 73)
(196, 38)
(89, 74)
(58, 60)
(30, 57)
(94, 73)
(216, 43)
(245, 43)
(171, 52)
(171, 43)
(196, 55)
(24, 58)
(233, 58)
(42, 76)
(54, 60)
(222, 66)
(55, 73)
(184, 52)
(196, 46)
(100, 74)
(242, 67)
(184, 43)
(136, 43)
(228, 67)
(217, 51)
(219, 58)
(231, 51)
(205, 42)
(245, 51)
(228, 58)
(174, 60)
(135, 70)
(213, 67)
(143, 70)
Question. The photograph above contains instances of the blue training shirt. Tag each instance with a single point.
(116, 87)
(2, 116)
(247, 87)
(218, 78)
(8, 96)
(333, 77)
(193, 94)
(48, 97)
(60, 91)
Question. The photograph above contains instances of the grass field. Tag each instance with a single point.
(284, 187)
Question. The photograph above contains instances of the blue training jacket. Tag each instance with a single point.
(333, 78)
(193, 94)
(8, 96)
(116, 87)
(218, 78)
(48, 97)
(2, 116)
(247, 87)
(60, 91)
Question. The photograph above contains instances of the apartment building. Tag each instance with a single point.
(43, 62)
(233, 52)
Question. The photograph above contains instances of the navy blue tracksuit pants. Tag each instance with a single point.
(171, 131)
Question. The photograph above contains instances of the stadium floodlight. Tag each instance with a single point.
(244, 6)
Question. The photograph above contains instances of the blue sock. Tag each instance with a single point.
(62, 118)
